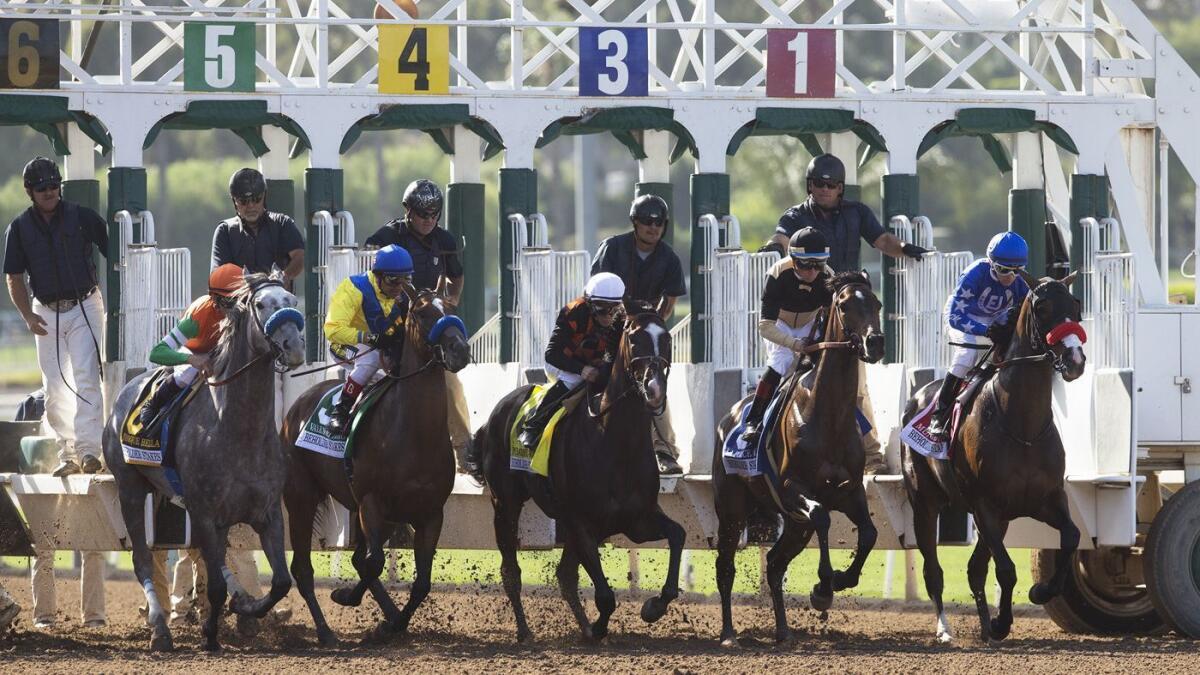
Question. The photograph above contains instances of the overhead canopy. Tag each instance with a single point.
(622, 123)
(243, 118)
(437, 120)
(48, 115)
(804, 124)
(985, 123)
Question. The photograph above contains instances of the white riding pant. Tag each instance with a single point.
(185, 375)
(362, 369)
(779, 357)
(569, 379)
(76, 421)
(965, 358)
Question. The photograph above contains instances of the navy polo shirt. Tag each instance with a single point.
(843, 227)
(58, 255)
(271, 243)
(433, 255)
(648, 280)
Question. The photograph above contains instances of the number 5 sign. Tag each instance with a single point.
(801, 63)
(218, 57)
(613, 62)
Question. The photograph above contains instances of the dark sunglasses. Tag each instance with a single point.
(827, 184)
(1006, 270)
(427, 214)
(51, 187)
(393, 279)
(247, 201)
(656, 222)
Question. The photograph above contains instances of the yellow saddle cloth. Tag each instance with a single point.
(521, 458)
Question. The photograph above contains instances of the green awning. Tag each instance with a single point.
(437, 120)
(804, 124)
(48, 115)
(243, 118)
(985, 123)
(622, 123)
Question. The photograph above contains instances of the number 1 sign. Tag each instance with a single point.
(801, 63)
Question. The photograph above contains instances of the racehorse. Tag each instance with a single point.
(820, 444)
(227, 452)
(603, 477)
(1007, 459)
(403, 467)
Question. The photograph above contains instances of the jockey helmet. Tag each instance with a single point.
(826, 167)
(393, 259)
(604, 290)
(1008, 249)
(226, 279)
(649, 208)
(41, 172)
(247, 183)
(808, 245)
(423, 195)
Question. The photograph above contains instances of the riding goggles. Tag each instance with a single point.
(1007, 270)
(394, 279)
(606, 308)
(809, 263)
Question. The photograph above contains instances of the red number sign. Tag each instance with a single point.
(801, 63)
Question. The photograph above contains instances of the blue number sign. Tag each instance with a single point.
(613, 62)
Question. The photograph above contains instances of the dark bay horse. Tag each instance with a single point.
(1007, 460)
(822, 459)
(227, 452)
(603, 478)
(403, 467)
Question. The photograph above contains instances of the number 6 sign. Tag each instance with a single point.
(218, 57)
(28, 54)
(801, 63)
(613, 62)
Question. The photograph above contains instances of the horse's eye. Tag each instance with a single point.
(258, 304)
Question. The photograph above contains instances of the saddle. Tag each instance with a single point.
(150, 445)
(538, 460)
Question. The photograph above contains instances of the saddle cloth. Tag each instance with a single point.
(916, 434)
(537, 461)
(315, 434)
(146, 446)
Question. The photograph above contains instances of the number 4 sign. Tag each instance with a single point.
(414, 59)
(801, 63)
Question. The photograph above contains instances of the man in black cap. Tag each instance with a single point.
(652, 274)
(255, 238)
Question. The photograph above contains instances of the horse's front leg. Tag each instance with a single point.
(425, 539)
(992, 529)
(586, 546)
(821, 596)
(143, 566)
(212, 544)
(653, 527)
(860, 514)
(791, 542)
(270, 535)
(1057, 515)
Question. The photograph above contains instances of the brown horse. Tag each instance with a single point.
(822, 454)
(1007, 459)
(403, 467)
(603, 478)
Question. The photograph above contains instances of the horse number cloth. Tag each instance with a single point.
(916, 435)
(146, 446)
(315, 434)
(742, 460)
(521, 458)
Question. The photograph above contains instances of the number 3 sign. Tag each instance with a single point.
(801, 63)
(613, 62)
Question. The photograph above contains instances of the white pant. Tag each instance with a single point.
(965, 358)
(362, 369)
(188, 587)
(76, 421)
(779, 357)
(569, 379)
(91, 586)
(185, 375)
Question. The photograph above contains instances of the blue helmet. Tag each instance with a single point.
(1008, 249)
(393, 259)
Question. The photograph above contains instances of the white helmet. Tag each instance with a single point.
(604, 287)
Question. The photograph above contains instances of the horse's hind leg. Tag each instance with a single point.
(729, 532)
(567, 573)
(977, 568)
(132, 507)
(859, 514)
(505, 520)
(425, 539)
(1057, 514)
(791, 542)
(302, 509)
(652, 528)
(270, 534)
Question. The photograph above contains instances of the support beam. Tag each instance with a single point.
(1027, 199)
(518, 194)
(81, 185)
(845, 146)
(281, 189)
(901, 197)
(465, 218)
(654, 175)
(322, 192)
(126, 192)
(710, 194)
(1089, 199)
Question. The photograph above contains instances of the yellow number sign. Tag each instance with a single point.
(414, 59)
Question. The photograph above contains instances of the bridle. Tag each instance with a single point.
(1044, 341)
(437, 353)
(854, 340)
(655, 364)
(278, 319)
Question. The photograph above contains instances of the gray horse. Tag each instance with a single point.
(227, 453)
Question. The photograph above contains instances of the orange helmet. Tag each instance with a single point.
(226, 279)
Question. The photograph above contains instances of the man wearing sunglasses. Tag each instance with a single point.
(653, 274)
(843, 222)
(795, 291)
(255, 238)
(977, 314)
(437, 265)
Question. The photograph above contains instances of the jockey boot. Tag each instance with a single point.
(339, 417)
(166, 392)
(939, 425)
(531, 431)
(762, 396)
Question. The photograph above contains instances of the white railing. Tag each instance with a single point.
(335, 241)
(922, 289)
(485, 343)
(156, 289)
(758, 265)
(725, 270)
(548, 280)
(681, 341)
(1110, 311)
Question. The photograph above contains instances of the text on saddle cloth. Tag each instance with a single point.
(316, 436)
(537, 461)
(148, 446)
(916, 434)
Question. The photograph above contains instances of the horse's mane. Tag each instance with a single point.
(239, 313)
(837, 281)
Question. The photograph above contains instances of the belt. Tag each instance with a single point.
(61, 306)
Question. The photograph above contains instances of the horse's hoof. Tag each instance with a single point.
(326, 638)
(1040, 594)
(599, 631)
(162, 643)
(820, 601)
(345, 597)
(524, 635)
(653, 609)
(843, 580)
(944, 638)
(783, 636)
(1000, 630)
(241, 604)
(730, 642)
(212, 646)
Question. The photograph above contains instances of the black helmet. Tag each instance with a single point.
(40, 172)
(423, 195)
(649, 207)
(809, 245)
(827, 167)
(247, 183)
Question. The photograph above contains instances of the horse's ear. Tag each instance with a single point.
(411, 292)
(1070, 278)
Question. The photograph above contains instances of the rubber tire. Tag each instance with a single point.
(1075, 612)
(1172, 563)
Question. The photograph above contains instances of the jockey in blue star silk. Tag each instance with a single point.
(978, 311)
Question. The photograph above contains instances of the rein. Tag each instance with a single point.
(237, 373)
(1027, 443)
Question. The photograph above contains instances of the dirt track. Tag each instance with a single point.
(459, 631)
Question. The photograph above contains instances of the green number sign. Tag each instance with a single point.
(218, 57)
(29, 54)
